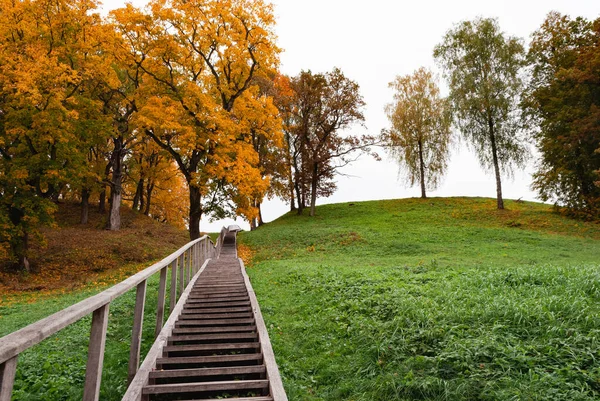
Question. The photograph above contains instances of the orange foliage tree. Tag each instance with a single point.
(199, 59)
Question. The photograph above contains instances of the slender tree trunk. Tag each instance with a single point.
(195, 211)
(114, 216)
(260, 218)
(22, 253)
(102, 203)
(496, 166)
(299, 195)
(292, 199)
(422, 171)
(139, 195)
(85, 206)
(313, 189)
(149, 190)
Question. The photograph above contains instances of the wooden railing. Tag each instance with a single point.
(184, 263)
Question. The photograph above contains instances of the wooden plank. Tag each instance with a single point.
(215, 316)
(222, 329)
(173, 296)
(276, 387)
(13, 344)
(222, 299)
(181, 274)
(136, 332)
(212, 322)
(202, 372)
(134, 391)
(160, 307)
(210, 347)
(212, 337)
(267, 398)
(225, 304)
(93, 370)
(206, 386)
(182, 360)
(216, 310)
(8, 371)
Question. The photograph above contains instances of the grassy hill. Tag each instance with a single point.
(437, 299)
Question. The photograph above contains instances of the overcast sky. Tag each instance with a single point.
(372, 42)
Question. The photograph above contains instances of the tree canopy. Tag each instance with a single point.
(483, 70)
(421, 135)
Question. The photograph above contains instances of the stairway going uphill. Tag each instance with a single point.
(214, 344)
(218, 347)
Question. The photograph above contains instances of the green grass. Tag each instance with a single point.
(438, 299)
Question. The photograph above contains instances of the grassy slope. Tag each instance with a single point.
(76, 263)
(439, 299)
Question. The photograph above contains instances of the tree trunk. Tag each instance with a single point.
(102, 202)
(139, 195)
(422, 171)
(313, 188)
(85, 206)
(195, 211)
(496, 167)
(22, 253)
(299, 195)
(149, 189)
(292, 200)
(114, 216)
(260, 218)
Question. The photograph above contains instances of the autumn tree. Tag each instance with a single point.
(324, 105)
(483, 70)
(420, 137)
(198, 60)
(563, 102)
(50, 56)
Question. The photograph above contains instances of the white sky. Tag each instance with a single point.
(372, 42)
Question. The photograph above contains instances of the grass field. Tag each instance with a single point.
(437, 299)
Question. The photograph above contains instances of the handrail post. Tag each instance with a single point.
(189, 265)
(136, 332)
(8, 371)
(93, 370)
(181, 274)
(173, 296)
(160, 307)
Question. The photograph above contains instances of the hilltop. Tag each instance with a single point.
(442, 298)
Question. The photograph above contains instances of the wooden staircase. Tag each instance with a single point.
(214, 350)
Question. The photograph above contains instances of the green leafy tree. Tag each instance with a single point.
(563, 101)
(483, 69)
(421, 135)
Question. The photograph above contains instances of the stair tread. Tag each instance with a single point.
(181, 360)
(205, 386)
(198, 372)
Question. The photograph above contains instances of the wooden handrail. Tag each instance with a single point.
(187, 259)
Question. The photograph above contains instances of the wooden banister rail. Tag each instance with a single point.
(184, 264)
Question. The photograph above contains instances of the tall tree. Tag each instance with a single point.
(51, 55)
(483, 69)
(421, 135)
(563, 101)
(199, 59)
(323, 106)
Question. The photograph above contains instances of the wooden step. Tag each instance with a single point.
(218, 329)
(222, 304)
(261, 398)
(217, 310)
(214, 300)
(206, 386)
(208, 359)
(213, 322)
(212, 337)
(202, 316)
(202, 372)
(211, 347)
